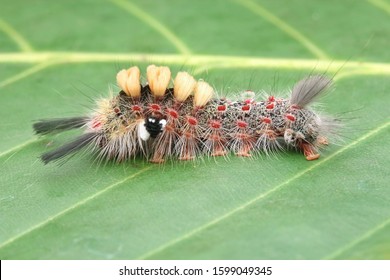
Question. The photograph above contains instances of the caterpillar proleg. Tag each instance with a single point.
(188, 121)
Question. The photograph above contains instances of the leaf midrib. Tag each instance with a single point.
(65, 57)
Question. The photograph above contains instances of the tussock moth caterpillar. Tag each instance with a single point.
(186, 121)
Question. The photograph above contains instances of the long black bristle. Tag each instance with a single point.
(69, 148)
(47, 126)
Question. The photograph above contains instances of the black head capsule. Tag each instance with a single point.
(154, 126)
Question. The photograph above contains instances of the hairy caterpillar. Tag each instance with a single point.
(186, 121)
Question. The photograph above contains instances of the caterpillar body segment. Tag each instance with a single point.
(187, 121)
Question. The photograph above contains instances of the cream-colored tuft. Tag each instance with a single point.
(121, 79)
(184, 86)
(158, 79)
(203, 93)
(133, 82)
(129, 81)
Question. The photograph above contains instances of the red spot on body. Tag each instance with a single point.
(136, 108)
(155, 107)
(266, 120)
(242, 124)
(271, 98)
(173, 113)
(116, 110)
(215, 124)
(270, 106)
(295, 107)
(246, 107)
(192, 121)
(290, 117)
(221, 108)
(96, 124)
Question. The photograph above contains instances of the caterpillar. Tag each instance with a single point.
(188, 121)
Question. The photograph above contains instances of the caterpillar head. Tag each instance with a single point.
(151, 127)
(292, 138)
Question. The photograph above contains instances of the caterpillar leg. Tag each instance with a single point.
(218, 151)
(309, 151)
(187, 146)
(244, 151)
(157, 158)
(243, 145)
(215, 144)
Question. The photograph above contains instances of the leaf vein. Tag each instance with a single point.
(285, 27)
(358, 240)
(15, 36)
(155, 24)
(380, 4)
(26, 73)
(18, 147)
(71, 208)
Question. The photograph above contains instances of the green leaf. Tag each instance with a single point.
(58, 56)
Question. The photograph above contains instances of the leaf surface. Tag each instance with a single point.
(57, 57)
